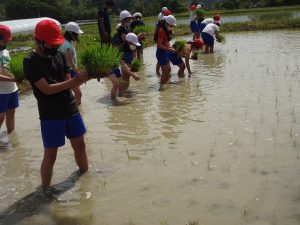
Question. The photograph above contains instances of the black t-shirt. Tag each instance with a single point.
(103, 14)
(57, 106)
(121, 30)
(135, 24)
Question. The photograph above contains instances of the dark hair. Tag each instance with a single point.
(162, 24)
(71, 36)
(109, 3)
(1, 37)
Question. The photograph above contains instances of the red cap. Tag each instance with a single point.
(217, 17)
(167, 13)
(49, 32)
(193, 7)
(5, 32)
(198, 43)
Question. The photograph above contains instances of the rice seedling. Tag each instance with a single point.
(163, 222)
(136, 65)
(199, 12)
(142, 29)
(16, 66)
(132, 157)
(179, 46)
(193, 222)
(221, 39)
(100, 60)
(195, 55)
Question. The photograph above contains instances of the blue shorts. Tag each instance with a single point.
(207, 39)
(201, 26)
(55, 131)
(175, 59)
(9, 101)
(193, 26)
(117, 72)
(162, 57)
(72, 73)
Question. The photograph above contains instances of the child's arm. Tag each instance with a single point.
(70, 60)
(50, 89)
(187, 63)
(127, 69)
(7, 79)
(217, 34)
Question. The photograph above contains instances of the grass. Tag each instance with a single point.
(136, 65)
(143, 29)
(221, 38)
(16, 65)
(100, 60)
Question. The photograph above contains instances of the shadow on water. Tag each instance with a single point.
(33, 203)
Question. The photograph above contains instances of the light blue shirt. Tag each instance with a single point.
(70, 45)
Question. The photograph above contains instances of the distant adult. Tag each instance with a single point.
(104, 25)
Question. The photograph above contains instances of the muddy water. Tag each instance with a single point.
(219, 148)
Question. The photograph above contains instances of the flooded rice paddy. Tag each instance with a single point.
(221, 147)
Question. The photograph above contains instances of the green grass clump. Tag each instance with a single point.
(100, 60)
(142, 29)
(221, 38)
(179, 46)
(199, 12)
(16, 66)
(136, 65)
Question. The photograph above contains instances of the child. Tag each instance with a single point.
(135, 23)
(193, 23)
(189, 49)
(47, 70)
(71, 35)
(124, 29)
(162, 38)
(199, 18)
(208, 34)
(161, 14)
(8, 89)
(121, 78)
(203, 24)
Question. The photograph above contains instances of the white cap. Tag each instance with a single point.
(131, 37)
(199, 6)
(164, 9)
(73, 27)
(137, 14)
(125, 14)
(171, 20)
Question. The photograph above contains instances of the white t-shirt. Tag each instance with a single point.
(6, 87)
(160, 16)
(211, 29)
(208, 20)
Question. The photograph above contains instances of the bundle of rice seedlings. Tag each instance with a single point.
(100, 60)
(179, 46)
(221, 38)
(16, 66)
(199, 12)
(142, 29)
(136, 65)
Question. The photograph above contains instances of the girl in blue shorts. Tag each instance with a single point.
(162, 38)
(8, 88)
(209, 32)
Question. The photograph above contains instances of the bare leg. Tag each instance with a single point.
(166, 74)
(47, 165)
(211, 49)
(78, 146)
(10, 120)
(115, 83)
(2, 118)
(206, 49)
(158, 69)
(181, 70)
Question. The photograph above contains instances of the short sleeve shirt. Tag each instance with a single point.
(163, 36)
(6, 87)
(61, 105)
(69, 45)
(211, 29)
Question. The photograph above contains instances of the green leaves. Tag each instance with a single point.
(100, 60)
(16, 66)
(221, 38)
(142, 29)
(179, 46)
(136, 65)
